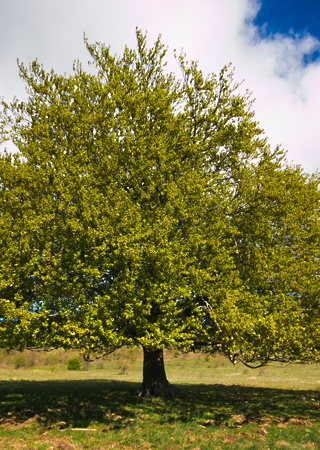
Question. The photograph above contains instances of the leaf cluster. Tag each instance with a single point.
(144, 209)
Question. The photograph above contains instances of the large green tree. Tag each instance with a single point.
(145, 209)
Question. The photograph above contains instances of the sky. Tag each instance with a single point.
(274, 46)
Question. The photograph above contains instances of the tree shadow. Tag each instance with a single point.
(115, 404)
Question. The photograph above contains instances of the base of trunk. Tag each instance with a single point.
(157, 390)
(155, 383)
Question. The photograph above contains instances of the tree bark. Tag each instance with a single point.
(155, 381)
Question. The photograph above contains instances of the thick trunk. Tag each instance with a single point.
(155, 381)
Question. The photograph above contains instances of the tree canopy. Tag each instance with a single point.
(142, 208)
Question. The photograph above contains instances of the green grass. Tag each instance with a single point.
(219, 406)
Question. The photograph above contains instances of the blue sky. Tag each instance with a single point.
(288, 17)
(273, 44)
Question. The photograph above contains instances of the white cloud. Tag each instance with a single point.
(287, 94)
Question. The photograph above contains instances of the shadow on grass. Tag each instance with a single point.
(109, 403)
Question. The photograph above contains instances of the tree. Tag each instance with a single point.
(142, 209)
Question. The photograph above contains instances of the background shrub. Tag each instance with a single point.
(74, 364)
(20, 361)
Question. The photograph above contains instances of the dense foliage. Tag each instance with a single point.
(143, 209)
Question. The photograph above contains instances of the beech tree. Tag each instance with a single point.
(146, 209)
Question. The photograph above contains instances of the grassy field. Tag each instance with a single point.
(45, 406)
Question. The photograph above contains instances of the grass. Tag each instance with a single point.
(219, 406)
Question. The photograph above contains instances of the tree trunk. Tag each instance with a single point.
(155, 381)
